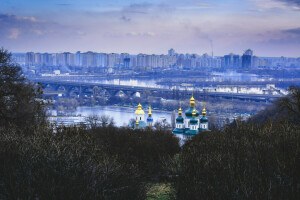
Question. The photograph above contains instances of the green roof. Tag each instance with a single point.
(193, 121)
(203, 119)
(142, 124)
(189, 112)
(178, 131)
(179, 119)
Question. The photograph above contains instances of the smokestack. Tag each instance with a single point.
(212, 48)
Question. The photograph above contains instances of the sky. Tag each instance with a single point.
(269, 27)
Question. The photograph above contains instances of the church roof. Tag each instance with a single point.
(178, 131)
(189, 112)
(203, 119)
(191, 132)
(139, 111)
(141, 124)
(149, 119)
(194, 121)
(179, 119)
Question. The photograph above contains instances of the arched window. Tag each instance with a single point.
(140, 118)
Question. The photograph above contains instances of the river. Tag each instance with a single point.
(121, 115)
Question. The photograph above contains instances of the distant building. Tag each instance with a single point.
(171, 52)
(78, 59)
(29, 59)
(236, 61)
(247, 60)
(255, 62)
(89, 59)
(231, 61)
(140, 118)
(228, 61)
(192, 123)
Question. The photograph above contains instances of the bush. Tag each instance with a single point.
(65, 165)
(145, 148)
(248, 162)
(20, 101)
(75, 163)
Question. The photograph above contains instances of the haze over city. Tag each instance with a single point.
(270, 27)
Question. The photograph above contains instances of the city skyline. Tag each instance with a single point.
(143, 62)
(271, 27)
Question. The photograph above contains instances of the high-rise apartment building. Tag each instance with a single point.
(247, 60)
(231, 61)
(171, 52)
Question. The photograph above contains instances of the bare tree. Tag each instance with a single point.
(96, 91)
(162, 125)
(92, 121)
(291, 103)
(131, 123)
(106, 121)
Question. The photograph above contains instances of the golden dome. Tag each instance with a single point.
(180, 111)
(149, 113)
(192, 101)
(139, 111)
(204, 111)
(194, 113)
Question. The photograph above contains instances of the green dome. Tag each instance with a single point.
(193, 121)
(203, 119)
(189, 113)
(179, 119)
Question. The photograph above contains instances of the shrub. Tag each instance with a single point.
(146, 148)
(65, 165)
(247, 162)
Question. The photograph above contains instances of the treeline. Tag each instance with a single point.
(247, 162)
(76, 163)
(257, 159)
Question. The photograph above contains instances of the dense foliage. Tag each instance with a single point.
(285, 108)
(246, 162)
(20, 101)
(146, 148)
(76, 163)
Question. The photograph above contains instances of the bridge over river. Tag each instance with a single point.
(72, 88)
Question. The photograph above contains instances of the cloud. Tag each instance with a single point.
(204, 4)
(126, 19)
(63, 4)
(140, 34)
(277, 4)
(14, 33)
(138, 8)
(295, 31)
(269, 4)
(38, 32)
(291, 2)
(28, 33)
(147, 8)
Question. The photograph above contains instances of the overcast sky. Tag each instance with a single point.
(269, 27)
